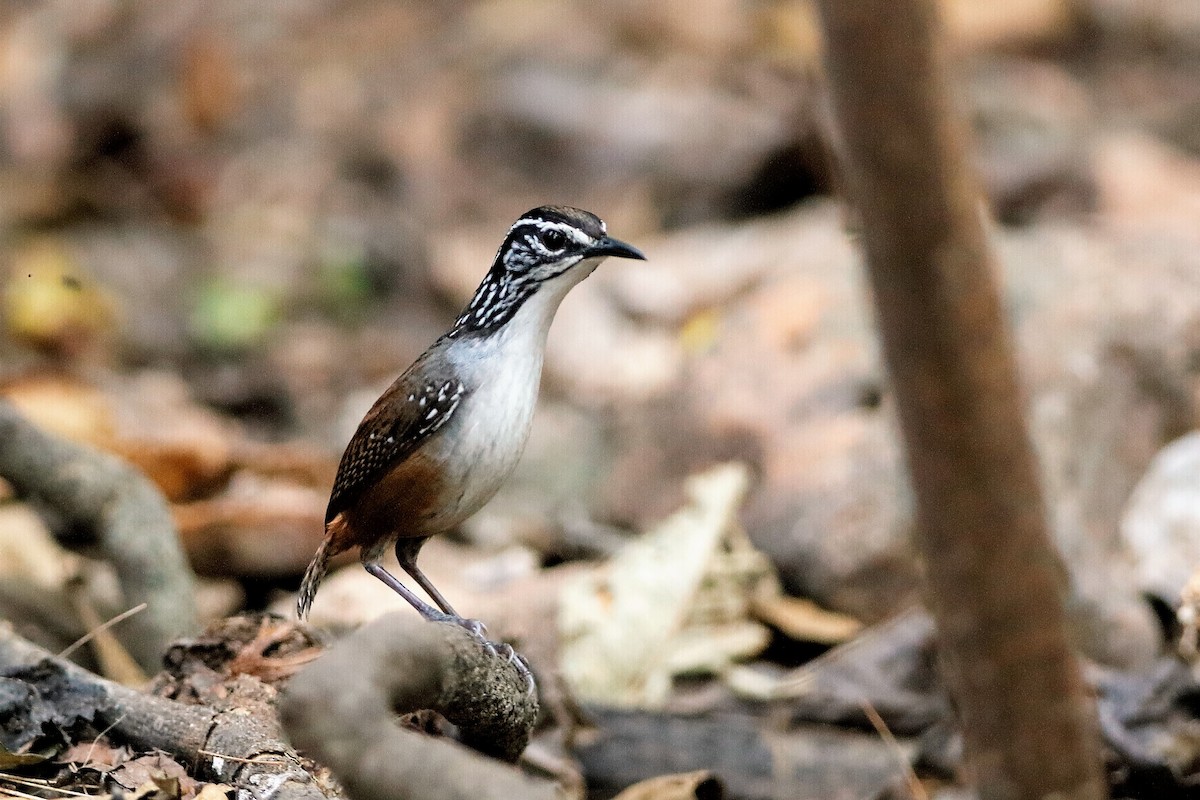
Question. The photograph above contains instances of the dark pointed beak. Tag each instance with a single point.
(615, 247)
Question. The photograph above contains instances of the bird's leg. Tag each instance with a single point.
(406, 554)
(427, 611)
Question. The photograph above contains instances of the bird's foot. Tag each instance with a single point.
(501, 649)
(506, 651)
(474, 627)
(522, 667)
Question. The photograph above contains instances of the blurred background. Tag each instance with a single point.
(225, 227)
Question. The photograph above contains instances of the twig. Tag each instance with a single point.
(339, 710)
(104, 507)
(6, 791)
(87, 759)
(87, 637)
(42, 784)
(885, 733)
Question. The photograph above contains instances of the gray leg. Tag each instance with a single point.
(424, 609)
(406, 554)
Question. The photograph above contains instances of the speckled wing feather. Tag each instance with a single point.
(404, 417)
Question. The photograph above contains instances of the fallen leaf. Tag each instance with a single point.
(699, 785)
(803, 620)
(9, 760)
(154, 773)
(97, 754)
(214, 791)
(255, 659)
(629, 626)
(153, 790)
(61, 405)
(51, 304)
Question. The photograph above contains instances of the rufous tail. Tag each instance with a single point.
(312, 577)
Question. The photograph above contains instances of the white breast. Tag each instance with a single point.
(484, 444)
(483, 441)
(485, 438)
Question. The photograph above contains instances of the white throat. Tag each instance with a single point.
(502, 372)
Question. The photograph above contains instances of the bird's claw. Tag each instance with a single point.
(506, 651)
(522, 666)
(500, 649)
(473, 627)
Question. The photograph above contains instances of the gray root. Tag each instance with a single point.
(229, 746)
(340, 710)
(107, 509)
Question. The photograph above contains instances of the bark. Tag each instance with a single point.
(994, 581)
(340, 710)
(105, 508)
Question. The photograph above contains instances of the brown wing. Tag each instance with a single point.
(404, 417)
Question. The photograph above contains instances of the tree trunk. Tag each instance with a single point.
(994, 581)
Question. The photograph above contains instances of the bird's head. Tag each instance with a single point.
(547, 247)
(552, 240)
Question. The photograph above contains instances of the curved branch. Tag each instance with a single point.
(114, 512)
(339, 711)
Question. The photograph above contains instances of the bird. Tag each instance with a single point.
(441, 440)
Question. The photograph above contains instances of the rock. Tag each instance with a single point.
(1152, 24)
(781, 372)
(1033, 125)
(1145, 183)
(980, 24)
(1161, 524)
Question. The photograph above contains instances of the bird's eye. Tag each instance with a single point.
(554, 239)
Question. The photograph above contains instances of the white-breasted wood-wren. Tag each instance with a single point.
(438, 444)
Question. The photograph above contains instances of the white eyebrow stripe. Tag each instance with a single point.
(571, 231)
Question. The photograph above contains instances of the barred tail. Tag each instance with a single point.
(313, 575)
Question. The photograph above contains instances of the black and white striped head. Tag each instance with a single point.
(546, 246)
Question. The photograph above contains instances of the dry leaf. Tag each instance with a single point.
(28, 551)
(214, 791)
(700, 785)
(675, 601)
(156, 776)
(254, 660)
(62, 406)
(257, 526)
(805, 621)
(98, 755)
(159, 789)
(9, 760)
(51, 304)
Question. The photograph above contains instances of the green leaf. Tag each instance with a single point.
(9, 760)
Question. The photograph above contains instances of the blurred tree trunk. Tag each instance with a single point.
(994, 580)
